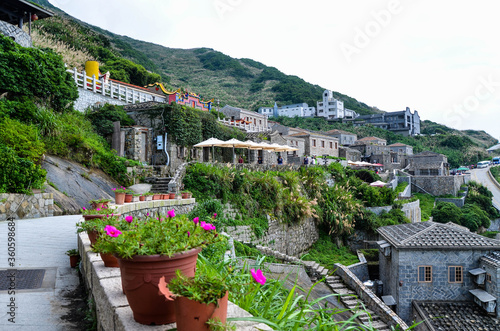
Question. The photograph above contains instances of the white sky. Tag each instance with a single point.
(441, 58)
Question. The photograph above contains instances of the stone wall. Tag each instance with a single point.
(88, 99)
(140, 209)
(369, 298)
(17, 34)
(459, 202)
(360, 270)
(439, 185)
(134, 141)
(411, 210)
(21, 206)
(290, 239)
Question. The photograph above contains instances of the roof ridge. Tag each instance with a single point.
(433, 225)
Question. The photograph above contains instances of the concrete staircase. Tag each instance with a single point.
(350, 300)
(160, 184)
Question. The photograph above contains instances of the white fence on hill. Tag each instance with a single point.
(112, 89)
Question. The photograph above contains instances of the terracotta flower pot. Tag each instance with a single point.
(192, 315)
(92, 237)
(96, 205)
(119, 198)
(172, 195)
(91, 217)
(142, 198)
(156, 196)
(128, 198)
(140, 277)
(105, 204)
(109, 260)
(73, 260)
(184, 195)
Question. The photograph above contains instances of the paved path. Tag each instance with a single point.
(41, 243)
(481, 176)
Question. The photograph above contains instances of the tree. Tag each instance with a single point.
(446, 212)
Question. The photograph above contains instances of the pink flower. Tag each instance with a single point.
(84, 208)
(112, 231)
(147, 214)
(207, 226)
(258, 276)
(215, 215)
(114, 189)
(98, 209)
(171, 213)
(189, 234)
(196, 220)
(129, 219)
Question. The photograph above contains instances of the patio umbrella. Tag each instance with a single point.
(211, 142)
(234, 143)
(378, 183)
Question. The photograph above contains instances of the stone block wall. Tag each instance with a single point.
(290, 239)
(17, 34)
(459, 202)
(411, 210)
(21, 206)
(88, 99)
(360, 270)
(369, 298)
(440, 185)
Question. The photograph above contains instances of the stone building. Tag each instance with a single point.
(14, 14)
(402, 122)
(374, 150)
(429, 261)
(345, 138)
(295, 110)
(401, 149)
(350, 154)
(428, 164)
(235, 114)
(317, 144)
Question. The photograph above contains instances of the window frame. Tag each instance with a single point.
(425, 274)
(488, 277)
(461, 275)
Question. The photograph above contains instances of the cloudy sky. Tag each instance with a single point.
(441, 58)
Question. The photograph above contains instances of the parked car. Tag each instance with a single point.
(483, 164)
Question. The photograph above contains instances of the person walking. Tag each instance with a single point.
(306, 161)
(280, 160)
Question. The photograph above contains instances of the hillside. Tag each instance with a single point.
(239, 82)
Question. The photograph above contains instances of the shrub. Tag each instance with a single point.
(35, 73)
(18, 175)
(446, 212)
(22, 139)
(102, 118)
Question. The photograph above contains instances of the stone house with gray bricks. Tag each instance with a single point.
(430, 261)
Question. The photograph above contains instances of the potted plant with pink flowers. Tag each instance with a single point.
(120, 195)
(152, 248)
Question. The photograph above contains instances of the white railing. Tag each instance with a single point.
(244, 126)
(113, 89)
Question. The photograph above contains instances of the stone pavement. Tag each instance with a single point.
(40, 244)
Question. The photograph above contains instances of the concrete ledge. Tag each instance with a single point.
(112, 309)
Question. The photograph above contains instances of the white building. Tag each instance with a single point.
(331, 108)
(295, 110)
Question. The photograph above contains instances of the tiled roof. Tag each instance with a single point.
(339, 132)
(493, 258)
(399, 145)
(456, 315)
(434, 235)
(370, 138)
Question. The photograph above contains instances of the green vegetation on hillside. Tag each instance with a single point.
(36, 117)
(477, 211)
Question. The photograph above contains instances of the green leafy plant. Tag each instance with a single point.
(72, 252)
(104, 210)
(203, 287)
(164, 235)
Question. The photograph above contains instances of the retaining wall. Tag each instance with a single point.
(88, 99)
(411, 210)
(440, 185)
(21, 206)
(17, 34)
(369, 298)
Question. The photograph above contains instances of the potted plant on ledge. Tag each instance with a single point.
(74, 256)
(120, 195)
(152, 248)
(89, 214)
(198, 299)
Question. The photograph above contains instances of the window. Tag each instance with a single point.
(322, 144)
(331, 145)
(336, 146)
(455, 274)
(424, 274)
(314, 142)
(488, 277)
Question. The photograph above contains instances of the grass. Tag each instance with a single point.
(426, 204)
(326, 253)
(495, 171)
